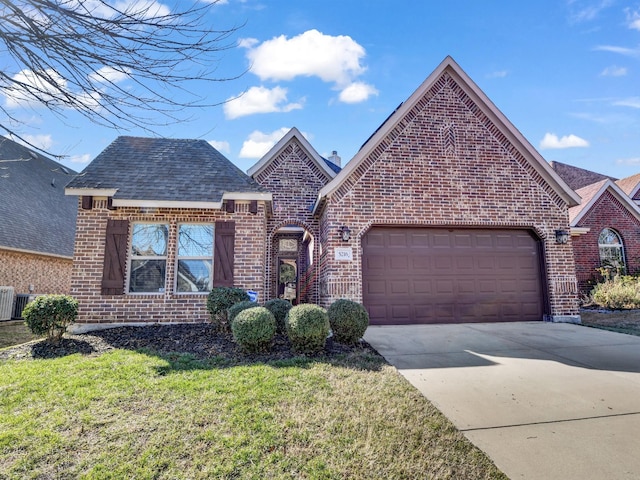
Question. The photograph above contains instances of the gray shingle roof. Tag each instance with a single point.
(164, 169)
(35, 214)
(577, 177)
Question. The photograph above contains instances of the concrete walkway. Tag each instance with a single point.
(543, 400)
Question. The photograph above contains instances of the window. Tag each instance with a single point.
(148, 258)
(611, 250)
(195, 258)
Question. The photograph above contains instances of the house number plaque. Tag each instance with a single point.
(343, 254)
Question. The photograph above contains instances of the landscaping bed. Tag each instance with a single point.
(623, 321)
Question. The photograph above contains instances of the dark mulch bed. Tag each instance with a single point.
(200, 340)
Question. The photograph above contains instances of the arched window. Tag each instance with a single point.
(611, 250)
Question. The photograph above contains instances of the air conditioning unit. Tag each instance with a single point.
(21, 301)
(6, 303)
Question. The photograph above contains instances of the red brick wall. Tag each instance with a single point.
(168, 306)
(607, 211)
(294, 180)
(46, 274)
(445, 163)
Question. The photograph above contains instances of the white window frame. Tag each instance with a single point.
(611, 246)
(199, 257)
(131, 257)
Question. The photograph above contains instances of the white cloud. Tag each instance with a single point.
(259, 100)
(585, 13)
(27, 83)
(84, 158)
(633, 162)
(630, 52)
(633, 18)
(333, 59)
(41, 141)
(357, 92)
(551, 141)
(633, 102)
(108, 74)
(498, 74)
(248, 42)
(614, 71)
(260, 143)
(221, 146)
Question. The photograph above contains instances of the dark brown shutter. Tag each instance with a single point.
(87, 202)
(231, 206)
(253, 207)
(115, 256)
(223, 258)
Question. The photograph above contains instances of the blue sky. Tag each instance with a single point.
(565, 72)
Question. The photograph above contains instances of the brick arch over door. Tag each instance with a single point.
(307, 280)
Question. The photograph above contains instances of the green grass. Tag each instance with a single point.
(129, 414)
(15, 332)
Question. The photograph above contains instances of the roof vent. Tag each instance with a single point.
(53, 182)
(335, 158)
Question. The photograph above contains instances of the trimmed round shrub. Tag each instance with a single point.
(254, 328)
(220, 299)
(307, 328)
(51, 315)
(279, 308)
(235, 309)
(348, 319)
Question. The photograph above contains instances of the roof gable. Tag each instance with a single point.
(323, 164)
(379, 140)
(36, 215)
(630, 185)
(577, 177)
(592, 193)
(140, 171)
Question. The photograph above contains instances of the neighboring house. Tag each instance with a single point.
(37, 221)
(446, 214)
(631, 186)
(604, 227)
(605, 233)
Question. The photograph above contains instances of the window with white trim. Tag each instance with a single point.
(194, 258)
(148, 260)
(611, 250)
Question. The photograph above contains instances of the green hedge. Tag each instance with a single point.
(51, 315)
(279, 308)
(219, 301)
(254, 328)
(623, 292)
(348, 319)
(307, 328)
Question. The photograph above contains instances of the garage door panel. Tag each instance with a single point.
(431, 275)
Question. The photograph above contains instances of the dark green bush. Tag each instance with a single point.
(623, 292)
(254, 328)
(51, 315)
(220, 299)
(235, 309)
(348, 319)
(307, 328)
(279, 308)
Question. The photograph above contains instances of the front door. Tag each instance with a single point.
(288, 279)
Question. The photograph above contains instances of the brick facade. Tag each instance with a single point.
(168, 306)
(445, 163)
(294, 179)
(606, 211)
(46, 274)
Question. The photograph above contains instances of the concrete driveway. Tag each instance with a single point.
(543, 400)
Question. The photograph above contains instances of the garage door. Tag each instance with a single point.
(429, 275)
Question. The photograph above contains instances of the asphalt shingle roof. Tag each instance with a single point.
(35, 214)
(586, 194)
(577, 177)
(164, 169)
(629, 184)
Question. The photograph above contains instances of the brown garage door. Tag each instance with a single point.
(429, 275)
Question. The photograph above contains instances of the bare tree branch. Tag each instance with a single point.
(118, 66)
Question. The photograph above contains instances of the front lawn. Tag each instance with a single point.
(14, 332)
(136, 414)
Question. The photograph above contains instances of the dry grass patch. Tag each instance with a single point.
(15, 332)
(127, 414)
(623, 321)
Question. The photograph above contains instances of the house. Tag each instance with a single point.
(631, 186)
(37, 221)
(604, 226)
(446, 214)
